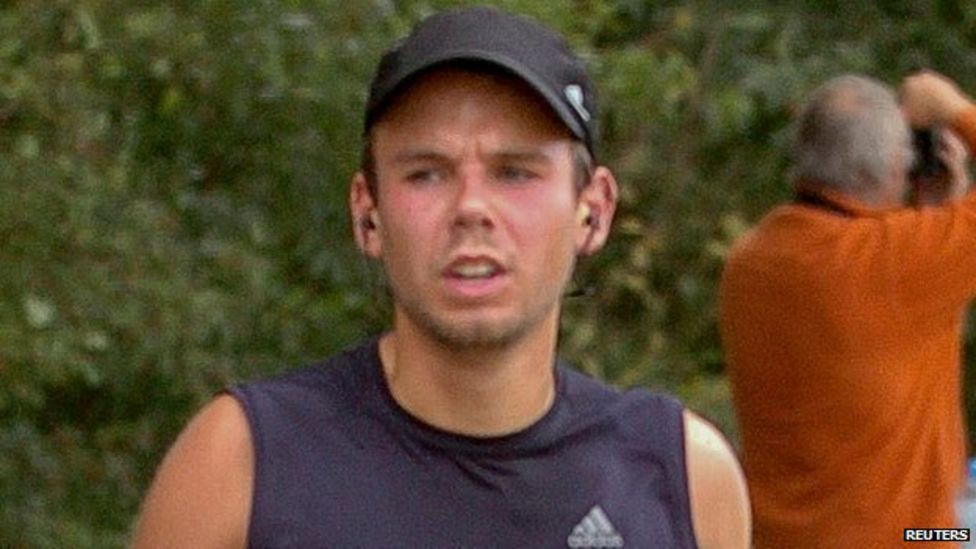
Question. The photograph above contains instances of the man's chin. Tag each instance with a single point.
(475, 334)
(484, 329)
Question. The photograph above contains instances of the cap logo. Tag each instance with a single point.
(574, 94)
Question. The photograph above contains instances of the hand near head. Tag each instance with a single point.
(956, 157)
(955, 182)
(929, 99)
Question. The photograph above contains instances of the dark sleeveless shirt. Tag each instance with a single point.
(338, 463)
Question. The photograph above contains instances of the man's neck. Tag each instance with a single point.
(477, 392)
(809, 191)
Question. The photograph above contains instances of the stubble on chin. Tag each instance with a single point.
(458, 333)
(470, 331)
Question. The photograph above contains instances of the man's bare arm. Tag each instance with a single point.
(720, 510)
(201, 496)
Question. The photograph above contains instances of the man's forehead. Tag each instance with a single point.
(450, 106)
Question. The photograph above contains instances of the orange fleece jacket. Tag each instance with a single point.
(842, 341)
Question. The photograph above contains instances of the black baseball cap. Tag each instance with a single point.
(516, 44)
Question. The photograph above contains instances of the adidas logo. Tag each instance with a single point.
(595, 530)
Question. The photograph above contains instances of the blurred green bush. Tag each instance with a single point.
(173, 184)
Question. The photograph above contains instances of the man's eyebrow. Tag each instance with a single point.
(520, 155)
(506, 155)
(418, 155)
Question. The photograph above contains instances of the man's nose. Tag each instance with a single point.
(474, 199)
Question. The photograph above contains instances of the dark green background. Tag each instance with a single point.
(173, 184)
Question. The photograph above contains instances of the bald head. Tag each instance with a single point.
(853, 138)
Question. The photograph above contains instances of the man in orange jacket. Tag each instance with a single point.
(841, 317)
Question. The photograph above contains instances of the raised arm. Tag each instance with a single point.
(720, 510)
(201, 496)
(930, 99)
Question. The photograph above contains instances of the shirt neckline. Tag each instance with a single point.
(533, 436)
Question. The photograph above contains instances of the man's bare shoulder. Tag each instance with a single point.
(719, 500)
(201, 496)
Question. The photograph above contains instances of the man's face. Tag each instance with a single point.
(478, 220)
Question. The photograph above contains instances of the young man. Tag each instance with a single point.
(459, 427)
(841, 316)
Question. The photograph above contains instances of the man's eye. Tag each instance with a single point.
(424, 176)
(516, 174)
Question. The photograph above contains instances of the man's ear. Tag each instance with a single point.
(597, 204)
(365, 220)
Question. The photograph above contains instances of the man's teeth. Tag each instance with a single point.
(474, 270)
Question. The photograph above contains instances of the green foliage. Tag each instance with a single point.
(173, 183)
